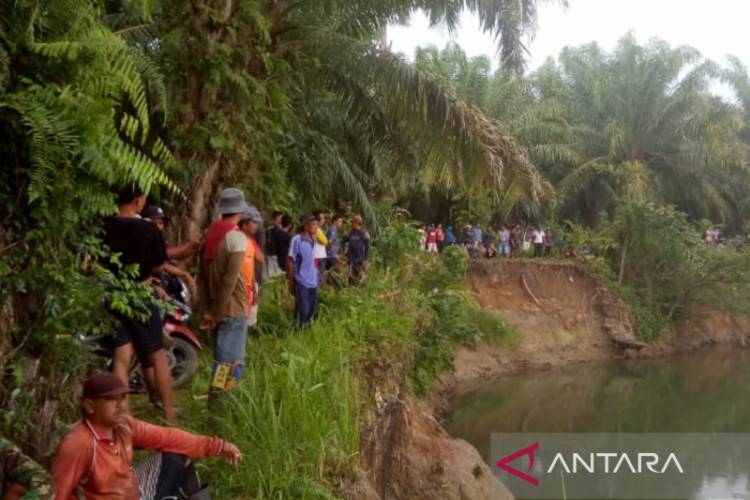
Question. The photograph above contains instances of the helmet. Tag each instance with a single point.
(154, 212)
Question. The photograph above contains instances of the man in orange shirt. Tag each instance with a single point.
(94, 461)
(248, 224)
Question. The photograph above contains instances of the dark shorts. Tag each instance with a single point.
(145, 336)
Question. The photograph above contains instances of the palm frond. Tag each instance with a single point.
(456, 139)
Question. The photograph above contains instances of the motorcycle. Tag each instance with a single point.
(180, 343)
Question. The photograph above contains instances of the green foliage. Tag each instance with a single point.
(447, 270)
(299, 411)
(656, 260)
(647, 128)
(637, 124)
(456, 318)
(650, 321)
(75, 121)
(398, 240)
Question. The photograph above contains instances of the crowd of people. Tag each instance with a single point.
(508, 241)
(235, 257)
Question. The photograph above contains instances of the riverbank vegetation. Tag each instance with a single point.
(637, 156)
(306, 394)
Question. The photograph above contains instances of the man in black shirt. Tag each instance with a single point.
(279, 240)
(271, 268)
(139, 242)
(357, 250)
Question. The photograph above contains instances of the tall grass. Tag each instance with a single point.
(299, 411)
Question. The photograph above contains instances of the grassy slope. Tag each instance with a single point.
(299, 411)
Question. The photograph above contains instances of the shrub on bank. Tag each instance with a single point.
(299, 411)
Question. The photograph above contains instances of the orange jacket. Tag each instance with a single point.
(103, 468)
(248, 273)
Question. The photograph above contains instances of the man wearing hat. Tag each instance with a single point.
(94, 461)
(156, 214)
(302, 270)
(357, 250)
(223, 290)
(249, 224)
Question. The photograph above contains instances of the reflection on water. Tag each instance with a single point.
(701, 392)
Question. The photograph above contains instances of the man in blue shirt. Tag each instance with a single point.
(477, 235)
(302, 270)
(333, 250)
(334, 245)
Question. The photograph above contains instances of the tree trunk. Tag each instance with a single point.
(623, 257)
(201, 33)
(197, 214)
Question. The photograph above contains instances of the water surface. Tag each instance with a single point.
(707, 391)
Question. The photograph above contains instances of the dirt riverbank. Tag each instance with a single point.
(563, 316)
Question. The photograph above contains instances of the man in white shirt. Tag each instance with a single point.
(538, 242)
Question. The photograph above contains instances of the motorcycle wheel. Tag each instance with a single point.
(183, 361)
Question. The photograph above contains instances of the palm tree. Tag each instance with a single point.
(647, 128)
(738, 76)
(535, 120)
(248, 82)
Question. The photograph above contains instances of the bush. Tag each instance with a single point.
(298, 413)
(656, 260)
(456, 318)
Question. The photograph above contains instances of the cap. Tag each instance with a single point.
(306, 218)
(104, 385)
(153, 212)
(252, 213)
(232, 201)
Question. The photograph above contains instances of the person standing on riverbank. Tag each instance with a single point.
(224, 292)
(477, 235)
(515, 240)
(358, 251)
(176, 274)
(450, 237)
(280, 237)
(432, 241)
(139, 242)
(538, 239)
(272, 268)
(249, 223)
(488, 243)
(440, 237)
(156, 214)
(302, 271)
(333, 250)
(503, 246)
(321, 243)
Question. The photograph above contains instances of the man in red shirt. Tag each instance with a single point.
(432, 240)
(94, 461)
(440, 236)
